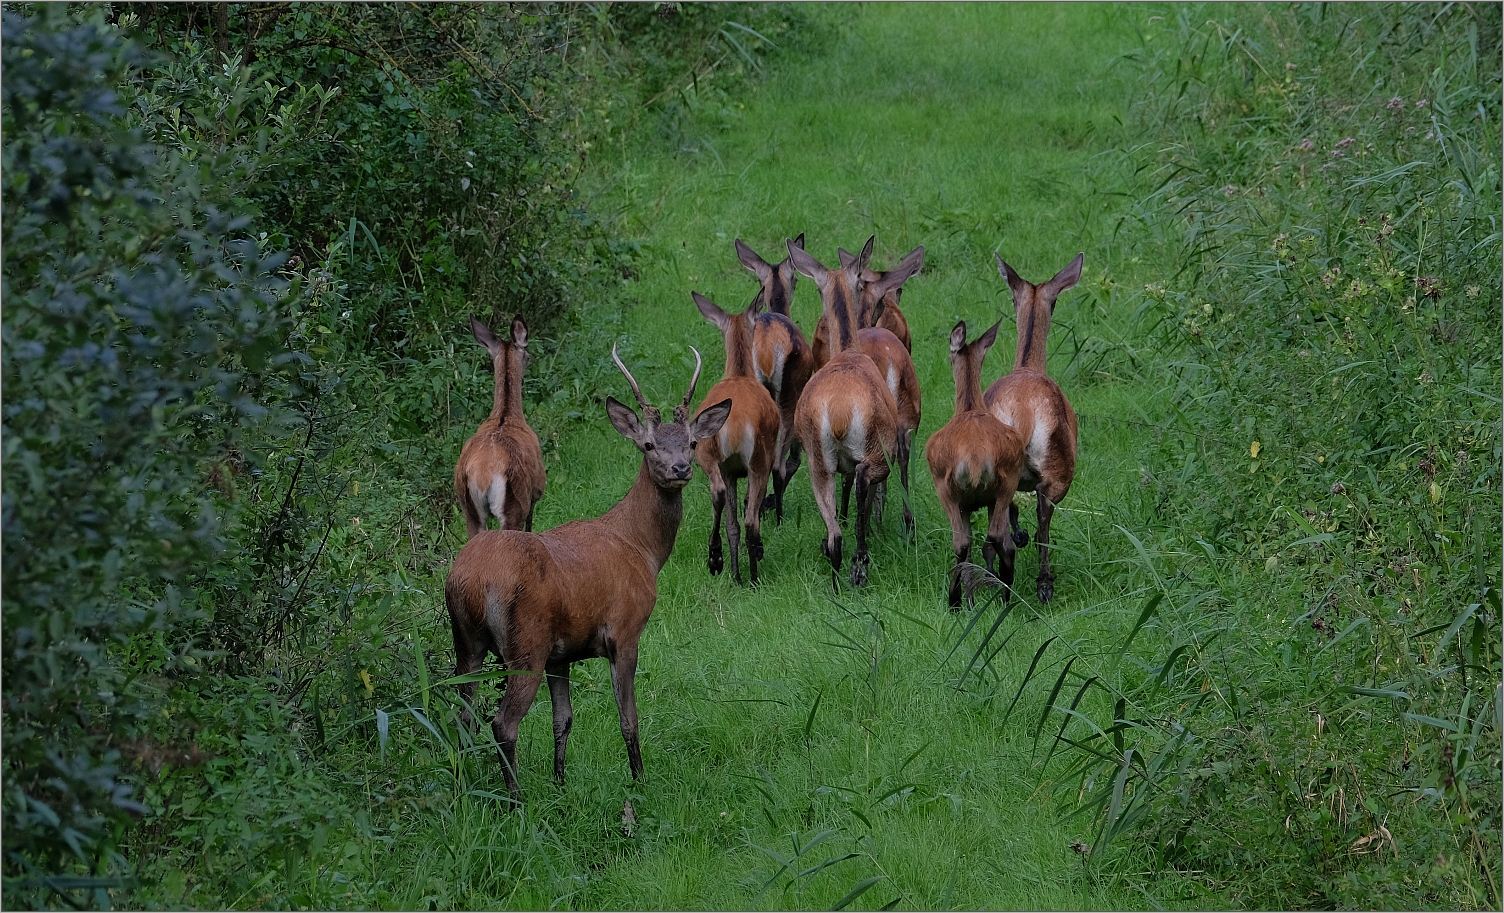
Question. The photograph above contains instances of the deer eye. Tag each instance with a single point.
(647, 446)
(692, 444)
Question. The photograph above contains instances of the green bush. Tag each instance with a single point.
(141, 326)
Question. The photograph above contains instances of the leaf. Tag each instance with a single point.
(1374, 692)
(383, 722)
(1150, 605)
(1049, 703)
(857, 890)
(809, 723)
(421, 662)
(1027, 676)
(489, 675)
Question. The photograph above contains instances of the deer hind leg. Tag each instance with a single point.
(558, 696)
(515, 702)
(785, 461)
(824, 485)
(846, 481)
(865, 491)
(1020, 535)
(469, 656)
(733, 530)
(623, 659)
(718, 502)
(960, 545)
(1000, 544)
(757, 483)
(475, 515)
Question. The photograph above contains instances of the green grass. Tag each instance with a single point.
(804, 740)
(966, 129)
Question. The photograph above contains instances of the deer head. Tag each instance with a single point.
(1034, 305)
(777, 281)
(508, 362)
(839, 291)
(667, 447)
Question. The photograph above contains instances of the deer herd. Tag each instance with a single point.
(849, 401)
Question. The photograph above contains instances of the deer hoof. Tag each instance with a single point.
(1046, 589)
(859, 569)
(1021, 538)
(716, 563)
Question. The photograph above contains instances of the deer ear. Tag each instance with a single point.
(1015, 281)
(624, 420)
(988, 338)
(710, 420)
(710, 309)
(519, 333)
(806, 264)
(1065, 278)
(865, 257)
(846, 257)
(799, 241)
(755, 308)
(484, 336)
(752, 261)
(958, 337)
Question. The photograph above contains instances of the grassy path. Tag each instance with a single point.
(966, 129)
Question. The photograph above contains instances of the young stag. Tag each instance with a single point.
(500, 471)
(976, 461)
(878, 309)
(846, 419)
(744, 446)
(541, 601)
(781, 357)
(1032, 403)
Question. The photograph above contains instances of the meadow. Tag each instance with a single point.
(1269, 675)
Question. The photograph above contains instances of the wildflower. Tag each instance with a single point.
(1430, 134)
(1289, 66)
(1306, 145)
(1409, 304)
(1473, 291)
(1429, 286)
(1422, 103)
(1228, 190)
(1280, 245)
(1396, 104)
(1424, 378)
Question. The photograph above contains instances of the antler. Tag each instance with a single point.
(681, 411)
(649, 413)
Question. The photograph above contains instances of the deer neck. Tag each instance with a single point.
(968, 375)
(842, 309)
(507, 401)
(739, 350)
(648, 517)
(1033, 330)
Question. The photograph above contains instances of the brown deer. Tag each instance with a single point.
(744, 446)
(541, 601)
(846, 419)
(975, 460)
(1032, 403)
(894, 364)
(878, 310)
(781, 357)
(500, 470)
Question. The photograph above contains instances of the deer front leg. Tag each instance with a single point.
(718, 502)
(733, 531)
(1046, 586)
(865, 491)
(514, 705)
(558, 696)
(623, 660)
(1020, 535)
(903, 475)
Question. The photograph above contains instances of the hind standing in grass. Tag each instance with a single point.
(500, 470)
(1031, 402)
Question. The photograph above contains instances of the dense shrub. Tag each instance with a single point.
(140, 327)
